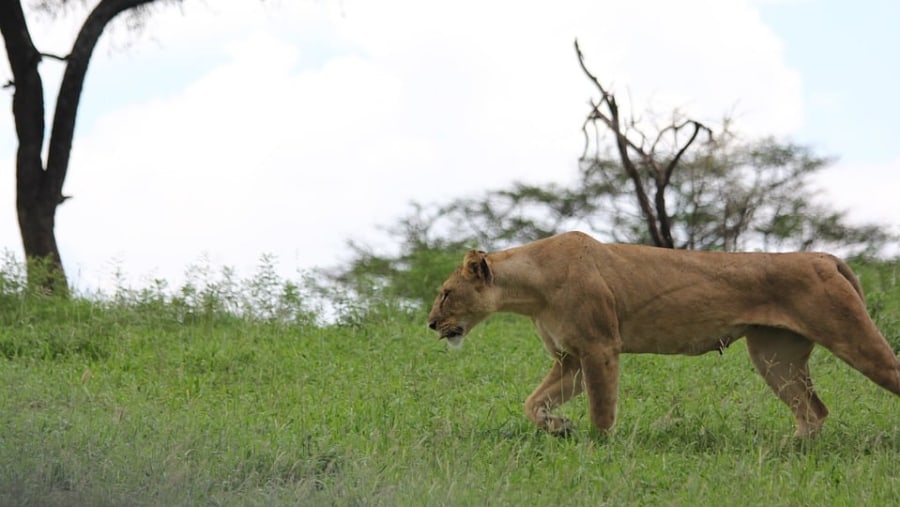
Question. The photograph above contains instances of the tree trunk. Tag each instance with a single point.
(35, 211)
(37, 216)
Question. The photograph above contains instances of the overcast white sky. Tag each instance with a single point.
(228, 129)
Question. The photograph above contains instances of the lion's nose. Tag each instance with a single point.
(432, 324)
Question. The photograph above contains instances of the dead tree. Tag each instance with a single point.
(642, 157)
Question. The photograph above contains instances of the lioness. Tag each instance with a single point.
(592, 301)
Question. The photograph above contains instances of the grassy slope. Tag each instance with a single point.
(129, 407)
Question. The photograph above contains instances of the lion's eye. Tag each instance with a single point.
(445, 295)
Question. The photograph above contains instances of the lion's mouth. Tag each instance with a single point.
(451, 334)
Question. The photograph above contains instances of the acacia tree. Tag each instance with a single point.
(38, 183)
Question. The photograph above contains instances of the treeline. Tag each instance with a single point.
(672, 183)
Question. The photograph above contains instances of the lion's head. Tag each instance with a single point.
(463, 300)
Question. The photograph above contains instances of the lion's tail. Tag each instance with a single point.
(848, 273)
(880, 363)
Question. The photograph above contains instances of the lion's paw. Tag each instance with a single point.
(558, 425)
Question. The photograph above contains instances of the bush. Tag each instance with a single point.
(406, 283)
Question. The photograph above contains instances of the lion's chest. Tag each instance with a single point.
(552, 336)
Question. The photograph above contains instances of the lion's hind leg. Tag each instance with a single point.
(560, 385)
(781, 358)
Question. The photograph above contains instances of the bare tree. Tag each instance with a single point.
(656, 156)
(38, 184)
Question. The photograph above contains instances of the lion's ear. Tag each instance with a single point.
(476, 265)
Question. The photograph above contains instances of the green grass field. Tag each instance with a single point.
(145, 402)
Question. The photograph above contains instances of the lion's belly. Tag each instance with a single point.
(681, 341)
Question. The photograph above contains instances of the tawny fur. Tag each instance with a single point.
(591, 301)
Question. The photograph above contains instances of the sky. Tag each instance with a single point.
(225, 130)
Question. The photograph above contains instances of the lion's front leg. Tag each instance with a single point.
(559, 386)
(601, 381)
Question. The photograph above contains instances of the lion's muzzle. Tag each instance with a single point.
(445, 331)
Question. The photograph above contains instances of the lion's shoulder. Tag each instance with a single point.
(565, 242)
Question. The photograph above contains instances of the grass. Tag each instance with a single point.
(148, 401)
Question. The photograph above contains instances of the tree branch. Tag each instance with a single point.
(664, 176)
(670, 167)
(70, 89)
(54, 57)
